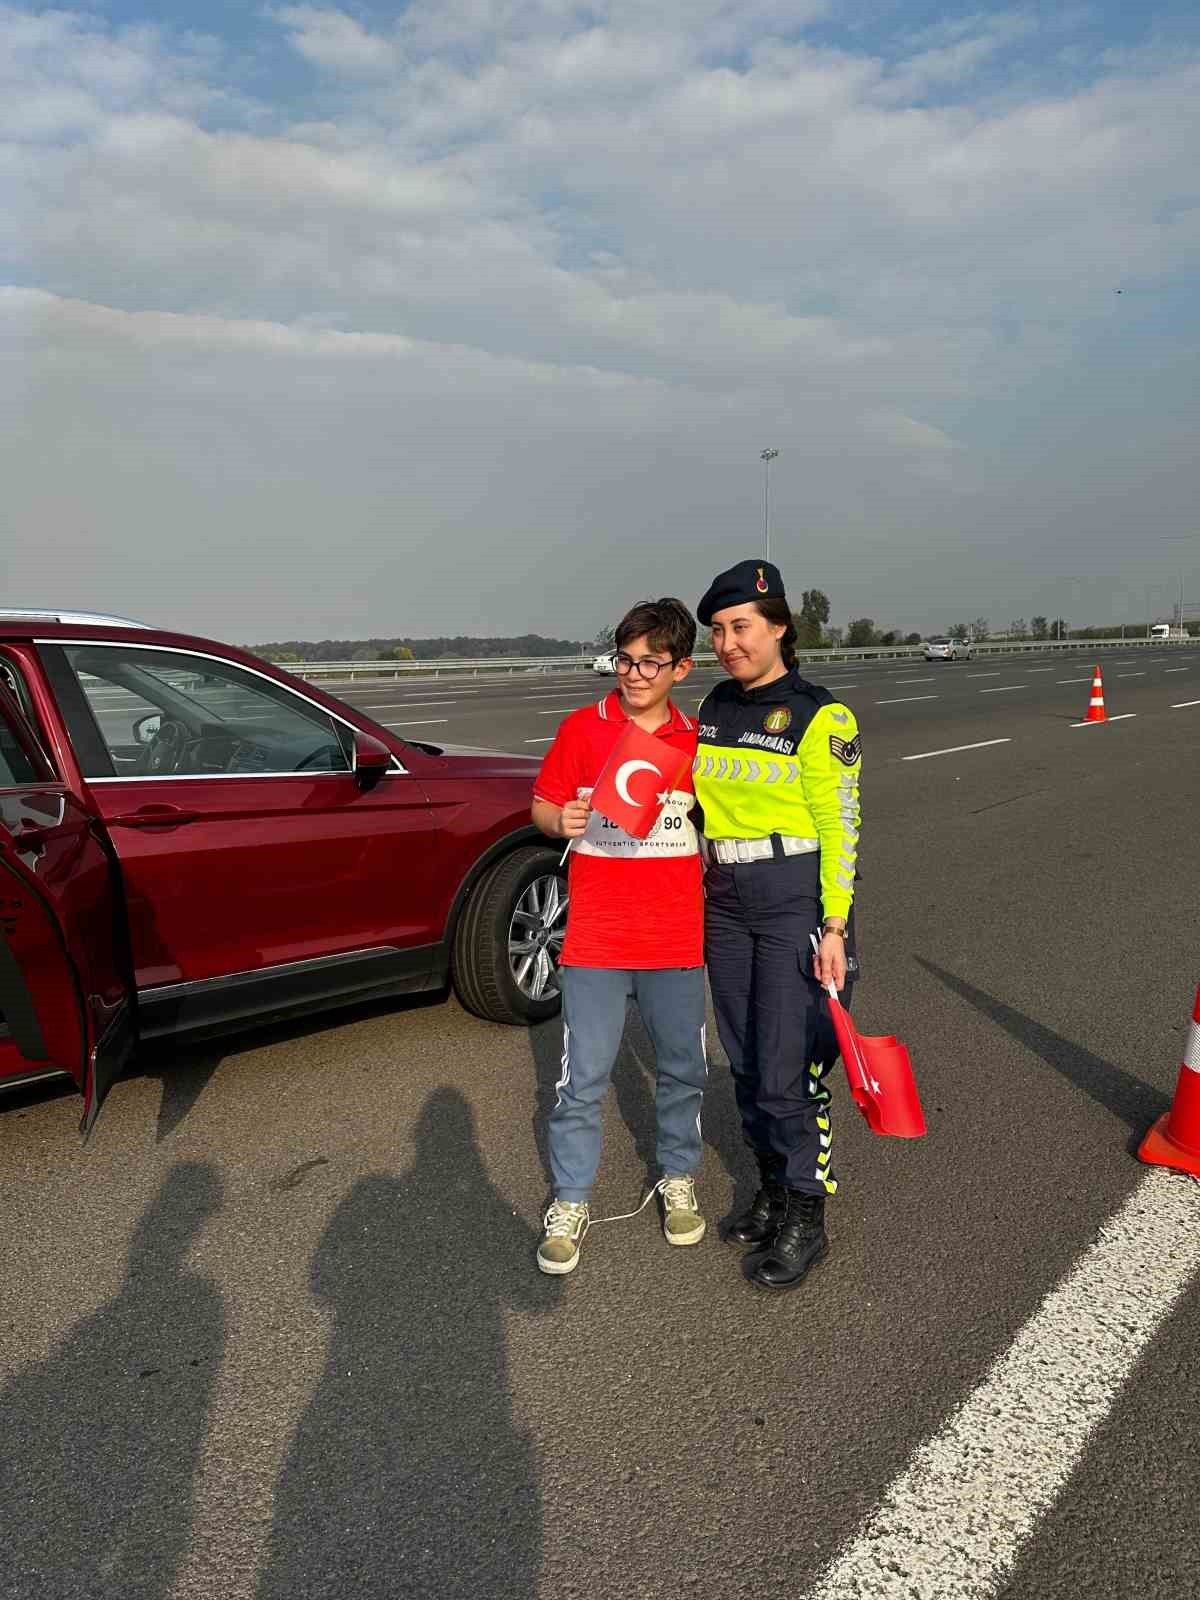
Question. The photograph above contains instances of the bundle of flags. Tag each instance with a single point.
(880, 1074)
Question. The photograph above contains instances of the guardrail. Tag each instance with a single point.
(498, 666)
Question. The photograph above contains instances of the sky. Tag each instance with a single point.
(474, 316)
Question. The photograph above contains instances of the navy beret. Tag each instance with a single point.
(748, 580)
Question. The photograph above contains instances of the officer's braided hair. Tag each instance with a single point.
(777, 611)
(666, 624)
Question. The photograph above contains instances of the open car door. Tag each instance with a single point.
(66, 995)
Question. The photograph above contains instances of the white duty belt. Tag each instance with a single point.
(739, 852)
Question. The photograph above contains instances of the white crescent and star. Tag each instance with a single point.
(626, 771)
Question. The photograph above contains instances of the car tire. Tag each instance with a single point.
(496, 916)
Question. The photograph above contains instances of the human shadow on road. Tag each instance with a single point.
(101, 1440)
(1120, 1092)
(408, 1474)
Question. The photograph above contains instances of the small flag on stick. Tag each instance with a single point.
(637, 779)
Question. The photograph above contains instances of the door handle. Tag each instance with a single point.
(153, 817)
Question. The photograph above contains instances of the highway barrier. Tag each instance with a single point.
(514, 666)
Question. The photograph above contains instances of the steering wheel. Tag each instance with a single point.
(165, 750)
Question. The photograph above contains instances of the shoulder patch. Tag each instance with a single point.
(847, 751)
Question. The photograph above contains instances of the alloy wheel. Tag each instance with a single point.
(535, 937)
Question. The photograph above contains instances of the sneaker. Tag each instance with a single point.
(682, 1222)
(565, 1224)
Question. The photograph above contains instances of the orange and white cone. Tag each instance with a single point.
(1174, 1140)
(1096, 711)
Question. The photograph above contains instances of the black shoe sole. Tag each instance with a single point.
(782, 1288)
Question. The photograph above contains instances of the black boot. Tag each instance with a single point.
(799, 1244)
(760, 1220)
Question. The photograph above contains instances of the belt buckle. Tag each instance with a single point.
(742, 850)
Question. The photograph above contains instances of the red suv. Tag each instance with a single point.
(192, 840)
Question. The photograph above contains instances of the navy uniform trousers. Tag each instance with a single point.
(769, 1010)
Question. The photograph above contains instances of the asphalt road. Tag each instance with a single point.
(277, 1331)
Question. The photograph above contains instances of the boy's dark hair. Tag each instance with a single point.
(667, 625)
(775, 611)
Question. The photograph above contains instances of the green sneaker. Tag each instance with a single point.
(682, 1222)
(565, 1224)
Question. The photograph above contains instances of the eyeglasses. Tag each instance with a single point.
(645, 668)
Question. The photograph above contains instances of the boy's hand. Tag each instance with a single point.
(575, 818)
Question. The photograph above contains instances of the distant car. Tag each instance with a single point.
(193, 841)
(940, 649)
(606, 663)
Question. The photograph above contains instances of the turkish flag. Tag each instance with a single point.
(881, 1077)
(637, 779)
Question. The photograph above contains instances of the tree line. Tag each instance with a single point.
(445, 648)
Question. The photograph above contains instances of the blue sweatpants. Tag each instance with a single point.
(671, 1001)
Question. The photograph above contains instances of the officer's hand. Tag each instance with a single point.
(829, 963)
(575, 818)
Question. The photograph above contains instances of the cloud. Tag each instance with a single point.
(663, 229)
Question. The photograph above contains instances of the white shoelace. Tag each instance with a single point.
(563, 1217)
(678, 1195)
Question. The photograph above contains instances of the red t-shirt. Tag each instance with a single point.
(634, 902)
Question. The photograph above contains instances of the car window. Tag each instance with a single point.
(169, 713)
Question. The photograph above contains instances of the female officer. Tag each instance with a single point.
(777, 779)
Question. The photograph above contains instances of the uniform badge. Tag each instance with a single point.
(779, 719)
(848, 751)
(762, 587)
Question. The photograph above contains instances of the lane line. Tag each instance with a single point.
(952, 1525)
(554, 694)
(1176, 669)
(426, 722)
(1124, 717)
(1006, 689)
(557, 711)
(982, 674)
(914, 680)
(1074, 680)
(906, 700)
(1180, 704)
(403, 705)
(1032, 670)
(954, 749)
(549, 740)
(1131, 674)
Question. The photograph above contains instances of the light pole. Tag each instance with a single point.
(766, 457)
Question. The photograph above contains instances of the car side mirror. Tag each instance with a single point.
(145, 729)
(371, 760)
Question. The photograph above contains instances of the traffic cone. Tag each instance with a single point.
(1096, 711)
(1174, 1140)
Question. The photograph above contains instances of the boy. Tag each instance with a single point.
(635, 926)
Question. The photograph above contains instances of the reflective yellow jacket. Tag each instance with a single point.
(786, 759)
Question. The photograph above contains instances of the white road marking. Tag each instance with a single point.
(951, 1526)
(914, 680)
(556, 693)
(557, 711)
(427, 722)
(954, 749)
(403, 705)
(550, 740)
(1032, 670)
(1074, 680)
(1176, 669)
(1124, 717)
(906, 700)
(982, 674)
(1180, 704)
(1005, 689)
(1131, 674)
